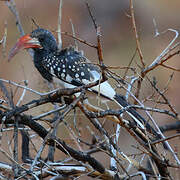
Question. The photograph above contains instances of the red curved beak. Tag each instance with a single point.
(24, 42)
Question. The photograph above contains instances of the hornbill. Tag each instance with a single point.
(71, 68)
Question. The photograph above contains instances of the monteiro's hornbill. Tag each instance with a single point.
(70, 67)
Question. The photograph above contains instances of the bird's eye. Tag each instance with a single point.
(41, 39)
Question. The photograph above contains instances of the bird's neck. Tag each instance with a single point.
(41, 54)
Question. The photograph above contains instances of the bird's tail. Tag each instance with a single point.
(120, 100)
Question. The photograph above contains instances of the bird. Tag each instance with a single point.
(71, 68)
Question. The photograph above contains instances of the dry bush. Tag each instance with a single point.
(101, 142)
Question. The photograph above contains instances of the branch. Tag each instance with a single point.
(165, 139)
(61, 145)
(3, 40)
(12, 6)
(99, 46)
(59, 25)
(136, 34)
(134, 132)
(165, 99)
(80, 40)
(158, 59)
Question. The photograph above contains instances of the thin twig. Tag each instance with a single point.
(23, 94)
(159, 131)
(169, 67)
(74, 35)
(28, 89)
(155, 28)
(3, 40)
(158, 59)
(170, 127)
(130, 85)
(136, 34)
(59, 25)
(80, 40)
(37, 157)
(164, 97)
(98, 34)
(163, 111)
(11, 159)
(128, 67)
(15, 150)
(12, 6)
(92, 117)
(165, 139)
(48, 113)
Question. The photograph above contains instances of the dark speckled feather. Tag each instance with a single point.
(68, 65)
(74, 69)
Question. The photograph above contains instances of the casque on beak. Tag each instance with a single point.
(24, 42)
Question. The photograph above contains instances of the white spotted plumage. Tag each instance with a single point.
(72, 68)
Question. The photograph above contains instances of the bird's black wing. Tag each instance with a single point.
(71, 67)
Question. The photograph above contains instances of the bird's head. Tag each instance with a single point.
(39, 40)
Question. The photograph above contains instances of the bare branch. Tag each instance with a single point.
(23, 94)
(136, 34)
(74, 35)
(80, 40)
(59, 25)
(3, 40)
(105, 122)
(158, 59)
(12, 6)
(165, 139)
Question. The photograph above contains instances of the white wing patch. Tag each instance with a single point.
(105, 89)
(96, 75)
(68, 78)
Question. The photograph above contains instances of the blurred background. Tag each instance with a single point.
(118, 39)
